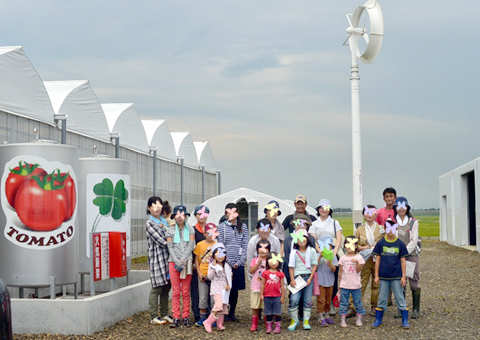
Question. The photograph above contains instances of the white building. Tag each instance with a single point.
(459, 206)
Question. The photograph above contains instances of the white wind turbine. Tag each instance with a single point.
(373, 37)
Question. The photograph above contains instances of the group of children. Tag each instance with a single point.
(311, 266)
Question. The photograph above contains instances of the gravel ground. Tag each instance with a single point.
(446, 311)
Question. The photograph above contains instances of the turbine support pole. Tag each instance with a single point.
(356, 148)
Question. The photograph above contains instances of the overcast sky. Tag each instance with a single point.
(266, 82)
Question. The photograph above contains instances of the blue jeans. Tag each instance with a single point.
(306, 293)
(357, 300)
(397, 289)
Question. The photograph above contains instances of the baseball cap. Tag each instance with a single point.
(301, 198)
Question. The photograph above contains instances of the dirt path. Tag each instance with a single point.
(450, 281)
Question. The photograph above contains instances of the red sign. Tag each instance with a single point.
(109, 255)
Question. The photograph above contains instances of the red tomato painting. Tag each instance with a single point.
(41, 205)
(65, 180)
(17, 176)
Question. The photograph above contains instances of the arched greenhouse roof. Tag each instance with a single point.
(21, 89)
(184, 147)
(76, 99)
(205, 155)
(123, 118)
(158, 135)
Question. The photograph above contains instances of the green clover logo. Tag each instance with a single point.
(110, 200)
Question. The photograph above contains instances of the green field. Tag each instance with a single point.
(428, 222)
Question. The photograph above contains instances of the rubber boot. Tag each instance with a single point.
(416, 303)
(358, 322)
(306, 319)
(209, 322)
(220, 320)
(405, 323)
(254, 323)
(278, 327)
(378, 318)
(343, 320)
(294, 319)
(269, 327)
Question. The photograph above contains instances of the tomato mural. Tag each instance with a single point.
(42, 201)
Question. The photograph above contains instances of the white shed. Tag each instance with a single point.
(459, 206)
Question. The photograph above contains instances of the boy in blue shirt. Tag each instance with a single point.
(390, 272)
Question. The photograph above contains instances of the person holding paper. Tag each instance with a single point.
(408, 232)
(302, 267)
(327, 266)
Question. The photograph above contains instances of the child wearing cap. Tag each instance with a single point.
(203, 253)
(327, 265)
(180, 241)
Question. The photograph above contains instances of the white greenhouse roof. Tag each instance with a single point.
(158, 135)
(184, 147)
(123, 118)
(21, 89)
(76, 99)
(217, 204)
(205, 155)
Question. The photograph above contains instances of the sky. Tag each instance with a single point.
(266, 83)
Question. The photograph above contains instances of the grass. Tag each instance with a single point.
(428, 223)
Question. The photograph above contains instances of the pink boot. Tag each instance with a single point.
(269, 327)
(209, 322)
(254, 323)
(278, 327)
(220, 319)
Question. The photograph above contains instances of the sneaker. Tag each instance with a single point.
(233, 318)
(167, 318)
(157, 321)
(372, 312)
(186, 322)
(199, 323)
(329, 321)
(332, 311)
(175, 323)
(323, 323)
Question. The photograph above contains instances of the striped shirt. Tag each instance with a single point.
(235, 243)
(157, 252)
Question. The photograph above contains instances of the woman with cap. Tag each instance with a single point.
(264, 229)
(327, 226)
(407, 231)
(272, 211)
(181, 242)
(233, 233)
(201, 213)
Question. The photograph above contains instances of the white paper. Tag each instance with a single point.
(410, 268)
(299, 285)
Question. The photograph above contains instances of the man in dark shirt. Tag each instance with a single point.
(300, 208)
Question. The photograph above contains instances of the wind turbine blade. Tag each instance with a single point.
(348, 18)
(345, 43)
(365, 36)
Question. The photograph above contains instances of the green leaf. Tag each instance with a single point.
(105, 188)
(120, 191)
(119, 208)
(104, 203)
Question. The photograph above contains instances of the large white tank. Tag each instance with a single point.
(38, 214)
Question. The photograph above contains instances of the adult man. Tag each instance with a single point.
(300, 208)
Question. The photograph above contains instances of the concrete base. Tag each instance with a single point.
(85, 315)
